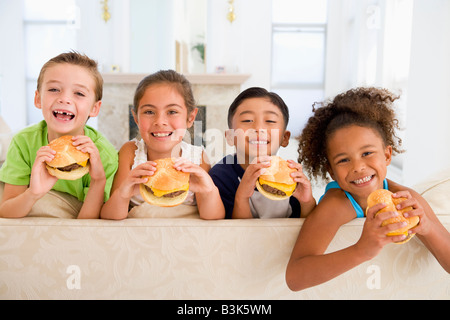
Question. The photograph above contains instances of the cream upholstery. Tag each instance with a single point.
(49, 258)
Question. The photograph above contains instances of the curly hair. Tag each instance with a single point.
(366, 107)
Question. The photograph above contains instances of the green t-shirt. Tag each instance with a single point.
(16, 170)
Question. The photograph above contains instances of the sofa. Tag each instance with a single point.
(188, 258)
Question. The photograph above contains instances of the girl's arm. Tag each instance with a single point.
(309, 266)
(207, 195)
(116, 208)
(126, 184)
(210, 203)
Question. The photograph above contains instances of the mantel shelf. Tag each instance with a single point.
(203, 79)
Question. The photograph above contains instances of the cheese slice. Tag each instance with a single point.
(83, 163)
(160, 193)
(286, 188)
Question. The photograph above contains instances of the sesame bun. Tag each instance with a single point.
(276, 183)
(167, 187)
(67, 156)
(385, 196)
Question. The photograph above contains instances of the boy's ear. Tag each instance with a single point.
(285, 139)
(229, 136)
(37, 100)
(95, 109)
(191, 117)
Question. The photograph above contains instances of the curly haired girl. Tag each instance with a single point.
(353, 138)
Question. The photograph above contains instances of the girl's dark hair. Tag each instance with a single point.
(365, 107)
(169, 77)
(257, 92)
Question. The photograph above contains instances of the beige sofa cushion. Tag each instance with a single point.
(195, 259)
(42, 258)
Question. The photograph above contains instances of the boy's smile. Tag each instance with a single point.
(257, 142)
(63, 115)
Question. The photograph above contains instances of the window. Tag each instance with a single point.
(49, 29)
(299, 30)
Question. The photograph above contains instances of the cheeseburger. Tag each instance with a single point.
(276, 183)
(385, 196)
(69, 163)
(167, 187)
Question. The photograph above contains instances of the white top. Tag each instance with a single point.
(188, 151)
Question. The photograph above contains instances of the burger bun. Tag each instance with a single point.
(67, 154)
(278, 173)
(385, 196)
(165, 180)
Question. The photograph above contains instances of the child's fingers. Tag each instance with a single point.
(298, 175)
(294, 165)
(382, 216)
(79, 141)
(372, 211)
(182, 163)
(397, 238)
(46, 150)
(142, 173)
(149, 165)
(145, 169)
(85, 144)
(139, 180)
(402, 194)
(393, 226)
(45, 154)
(188, 168)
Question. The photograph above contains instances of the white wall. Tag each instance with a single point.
(243, 46)
(152, 35)
(138, 44)
(428, 105)
(12, 66)
(106, 42)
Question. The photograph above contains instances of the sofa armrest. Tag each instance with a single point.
(436, 191)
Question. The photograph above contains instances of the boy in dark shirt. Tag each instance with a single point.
(257, 120)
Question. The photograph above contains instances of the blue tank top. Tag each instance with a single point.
(356, 206)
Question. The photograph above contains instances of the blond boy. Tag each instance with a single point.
(69, 92)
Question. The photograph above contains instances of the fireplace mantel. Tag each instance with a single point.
(194, 79)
